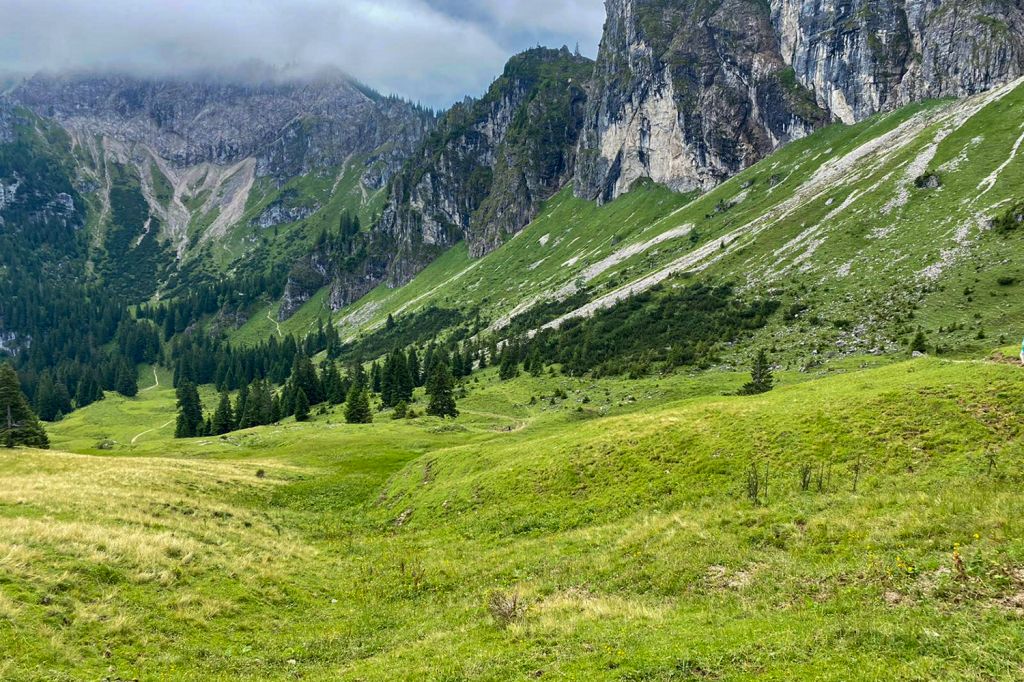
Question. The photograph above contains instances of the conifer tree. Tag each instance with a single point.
(414, 368)
(387, 381)
(375, 377)
(334, 389)
(442, 394)
(304, 377)
(240, 401)
(509, 368)
(127, 380)
(761, 379)
(88, 391)
(357, 407)
(301, 406)
(223, 417)
(190, 411)
(18, 423)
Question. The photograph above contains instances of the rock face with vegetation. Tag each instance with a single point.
(689, 93)
(196, 147)
(863, 57)
(484, 171)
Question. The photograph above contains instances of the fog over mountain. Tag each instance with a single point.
(433, 51)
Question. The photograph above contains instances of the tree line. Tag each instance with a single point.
(390, 383)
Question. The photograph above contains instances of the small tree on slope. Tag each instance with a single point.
(357, 407)
(18, 423)
(190, 411)
(442, 392)
(761, 379)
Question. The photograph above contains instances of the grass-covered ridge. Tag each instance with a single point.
(866, 232)
(618, 517)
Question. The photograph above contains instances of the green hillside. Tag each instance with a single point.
(540, 540)
(613, 508)
(865, 232)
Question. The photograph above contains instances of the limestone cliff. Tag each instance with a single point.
(687, 93)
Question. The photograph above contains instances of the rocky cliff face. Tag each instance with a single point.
(480, 175)
(687, 93)
(862, 57)
(289, 128)
(483, 173)
(214, 139)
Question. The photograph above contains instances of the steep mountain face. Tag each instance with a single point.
(196, 148)
(689, 93)
(483, 173)
(863, 57)
(480, 175)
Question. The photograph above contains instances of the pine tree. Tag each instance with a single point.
(761, 379)
(223, 417)
(334, 389)
(509, 368)
(240, 401)
(304, 377)
(919, 344)
(127, 380)
(414, 368)
(402, 384)
(18, 423)
(190, 411)
(375, 377)
(301, 406)
(388, 379)
(442, 393)
(357, 407)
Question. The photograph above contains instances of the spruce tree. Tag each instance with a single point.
(127, 380)
(333, 386)
(18, 423)
(387, 382)
(301, 406)
(357, 407)
(190, 411)
(375, 377)
(442, 394)
(414, 368)
(761, 379)
(223, 417)
(402, 384)
(509, 368)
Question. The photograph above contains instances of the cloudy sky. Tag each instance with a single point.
(433, 51)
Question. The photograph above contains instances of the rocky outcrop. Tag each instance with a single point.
(484, 171)
(860, 57)
(278, 213)
(687, 93)
(289, 128)
(198, 147)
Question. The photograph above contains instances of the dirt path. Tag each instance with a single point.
(277, 324)
(134, 440)
(519, 424)
(156, 382)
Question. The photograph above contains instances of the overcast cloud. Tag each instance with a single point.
(433, 51)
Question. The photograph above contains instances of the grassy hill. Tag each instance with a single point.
(609, 538)
(860, 521)
(865, 232)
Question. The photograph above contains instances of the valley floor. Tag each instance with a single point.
(613, 534)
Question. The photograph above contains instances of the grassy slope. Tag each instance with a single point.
(629, 538)
(833, 222)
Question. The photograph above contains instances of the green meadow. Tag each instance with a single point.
(610, 534)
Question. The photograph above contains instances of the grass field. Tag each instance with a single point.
(609, 538)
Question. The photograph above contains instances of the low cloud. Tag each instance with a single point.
(433, 51)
